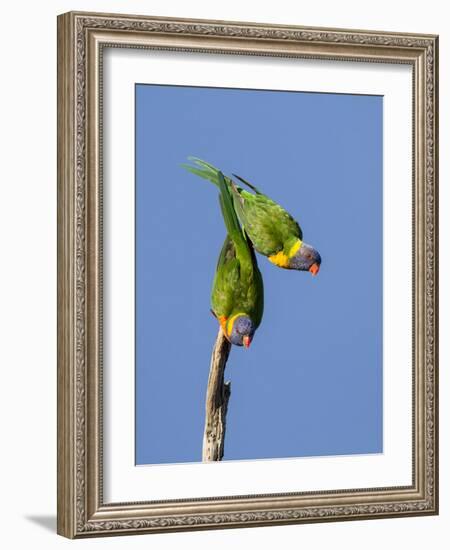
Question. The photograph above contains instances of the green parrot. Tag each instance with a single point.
(237, 297)
(271, 229)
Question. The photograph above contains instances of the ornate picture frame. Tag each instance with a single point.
(82, 40)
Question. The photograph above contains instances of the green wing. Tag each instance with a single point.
(269, 226)
(226, 280)
(256, 295)
(232, 224)
(230, 293)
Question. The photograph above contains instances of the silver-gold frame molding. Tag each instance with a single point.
(81, 39)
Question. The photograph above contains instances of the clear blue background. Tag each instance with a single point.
(311, 383)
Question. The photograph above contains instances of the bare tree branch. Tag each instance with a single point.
(217, 396)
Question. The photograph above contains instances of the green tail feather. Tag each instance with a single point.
(211, 173)
(203, 163)
(229, 215)
(203, 174)
(231, 220)
(205, 170)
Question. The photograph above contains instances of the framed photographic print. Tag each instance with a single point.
(247, 274)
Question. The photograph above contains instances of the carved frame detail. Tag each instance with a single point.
(81, 37)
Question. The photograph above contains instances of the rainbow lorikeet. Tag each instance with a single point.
(271, 229)
(237, 297)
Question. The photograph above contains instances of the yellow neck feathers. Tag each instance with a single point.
(230, 322)
(281, 259)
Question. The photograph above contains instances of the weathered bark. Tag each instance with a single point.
(217, 396)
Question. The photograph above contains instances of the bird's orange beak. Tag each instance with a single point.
(314, 269)
(247, 341)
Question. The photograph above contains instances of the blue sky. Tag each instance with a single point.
(311, 383)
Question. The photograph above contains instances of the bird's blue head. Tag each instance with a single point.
(306, 259)
(241, 330)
